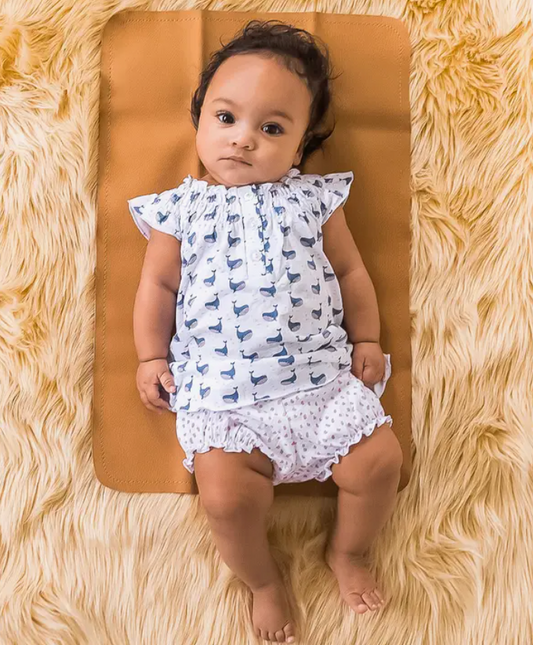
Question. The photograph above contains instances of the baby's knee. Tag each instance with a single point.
(373, 461)
(232, 489)
(385, 457)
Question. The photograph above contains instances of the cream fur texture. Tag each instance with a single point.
(82, 564)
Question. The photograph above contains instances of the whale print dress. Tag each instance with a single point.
(259, 308)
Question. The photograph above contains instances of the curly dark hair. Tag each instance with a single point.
(299, 51)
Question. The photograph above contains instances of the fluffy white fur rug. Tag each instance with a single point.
(82, 564)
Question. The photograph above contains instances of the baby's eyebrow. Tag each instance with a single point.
(272, 112)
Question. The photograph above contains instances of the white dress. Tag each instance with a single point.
(259, 308)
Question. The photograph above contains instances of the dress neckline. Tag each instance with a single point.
(246, 187)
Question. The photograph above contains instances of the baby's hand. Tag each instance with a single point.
(368, 363)
(150, 375)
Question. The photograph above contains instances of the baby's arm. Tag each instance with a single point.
(155, 303)
(361, 313)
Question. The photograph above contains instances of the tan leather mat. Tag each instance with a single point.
(149, 70)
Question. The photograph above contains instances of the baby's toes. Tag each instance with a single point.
(377, 599)
(289, 633)
(369, 599)
(357, 603)
(380, 596)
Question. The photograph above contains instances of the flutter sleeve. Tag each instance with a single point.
(334, 193)
(158, 210)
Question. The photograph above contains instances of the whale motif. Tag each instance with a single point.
(271, 315)
(317, 380)
(250, 357)
(293, 277)
(289, 255)
(211, 238)
(232, 398)
(217, 328)
(307, 241)
(233, 241)
(162, 218)
(289, 360)
(222, 351)
(275, 339)
(240, 311)
(283, 352)
(258, 380)
(293, 326)
(213, 304)
(203, 369)
(268, 291)
(233, 264)
(291, 379)
(260, 398)
(243, 335)
(236, 286)
(228, 374)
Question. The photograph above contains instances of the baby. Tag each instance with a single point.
(275, 370)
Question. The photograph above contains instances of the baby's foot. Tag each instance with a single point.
(271, 613)
(356, 584)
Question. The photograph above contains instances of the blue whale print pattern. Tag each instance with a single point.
(259, 307)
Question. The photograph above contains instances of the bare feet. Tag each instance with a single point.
(356, 584)
(271, 613)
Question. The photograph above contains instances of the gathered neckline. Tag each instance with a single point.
(202, 182)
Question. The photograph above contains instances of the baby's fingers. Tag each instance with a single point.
(147, 403)
(153, 396)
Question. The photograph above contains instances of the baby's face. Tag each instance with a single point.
(239, 118)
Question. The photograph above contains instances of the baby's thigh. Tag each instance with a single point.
(230, 480)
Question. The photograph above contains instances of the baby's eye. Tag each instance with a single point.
(224, 114)
(273, 125)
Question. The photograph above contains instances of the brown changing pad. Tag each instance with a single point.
(149, 70)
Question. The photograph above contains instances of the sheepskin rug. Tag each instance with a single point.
(83, 564)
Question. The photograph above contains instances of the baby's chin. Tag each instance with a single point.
(235, 173)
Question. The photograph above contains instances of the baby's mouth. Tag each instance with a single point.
(237, 160)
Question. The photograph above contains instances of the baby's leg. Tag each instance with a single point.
(236, 492)
(367, 478)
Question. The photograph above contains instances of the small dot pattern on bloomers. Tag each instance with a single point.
(303, 434)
